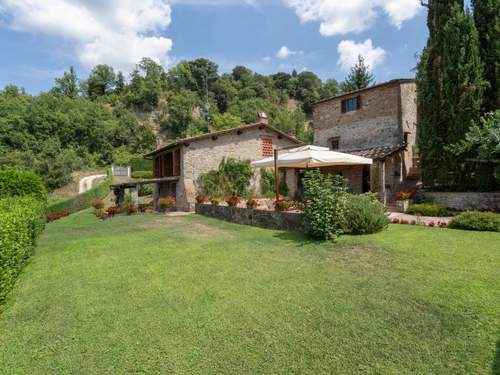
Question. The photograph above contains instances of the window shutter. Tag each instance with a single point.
(359, 101)
(343, 106)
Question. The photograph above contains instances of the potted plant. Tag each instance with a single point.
(252, 203)
(232, 200)
(200, 198)
(166, 204)
(215, 200)
(98, 204)
(282, 205)
(131, 209)
(403, 199)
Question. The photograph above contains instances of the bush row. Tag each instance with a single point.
(474, 220)
(82, 201)
(21, 221)
(428, 209)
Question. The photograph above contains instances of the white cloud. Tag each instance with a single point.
(215, 2)
(342, 17)
(266, 58)
(349, 51)
(114, 32)
(285, 52)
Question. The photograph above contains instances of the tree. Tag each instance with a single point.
(120, 83)
(359, 77)
(433, 120)
(487, 20)
(101, 81)
(226, 121)
(309, 85)
(68, 84)
(180, 114)
(329, 89)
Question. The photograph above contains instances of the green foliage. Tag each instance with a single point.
(20, 183)
(21, 221)
(364, 215)
(324, 213)
(54, 134)
(478, 221)
(180, 117)
(359, 77)
(101, 81)
(267, 182)
(68, 84)
(487, 21)
(231, 178)
(226, 121)
(145, 190)
(428, 209)
(84, 200)
(142, 174)
(450, 91)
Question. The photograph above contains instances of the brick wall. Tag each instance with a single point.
(376, 123)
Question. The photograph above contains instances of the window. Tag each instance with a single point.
(267, 146)
(351, 104)
(406, 137)
(335, 143)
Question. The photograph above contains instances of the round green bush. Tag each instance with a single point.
(474, 220)
(20, 183)
(364, 215)
(428, 209)
(141, 175)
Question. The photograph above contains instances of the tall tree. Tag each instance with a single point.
(487, 19)
(101, 81)
(463, 85)
(359, 77)
(433, 121)
(68, 83)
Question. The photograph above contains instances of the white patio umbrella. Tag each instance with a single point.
(311, 157)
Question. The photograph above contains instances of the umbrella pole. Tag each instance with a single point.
(276, 175)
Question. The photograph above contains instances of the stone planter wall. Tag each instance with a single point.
(289, 221)
(467, 201)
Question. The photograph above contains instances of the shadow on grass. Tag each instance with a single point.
(495, 369)
(300, 239)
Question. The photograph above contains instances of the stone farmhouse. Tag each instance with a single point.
(378, 122)
(178, 165)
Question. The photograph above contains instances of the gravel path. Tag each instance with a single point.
(86, 182)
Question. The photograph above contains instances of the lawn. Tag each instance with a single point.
(191, 295)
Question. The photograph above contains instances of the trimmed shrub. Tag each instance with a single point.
(326, 202)
(428, 209)
(142, 175)
(20, 183)
(83, 201)
(474, 220)
(21, 221)
(364, 215)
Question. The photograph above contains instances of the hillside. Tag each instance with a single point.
(104, 119)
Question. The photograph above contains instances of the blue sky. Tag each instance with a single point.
(39, 40)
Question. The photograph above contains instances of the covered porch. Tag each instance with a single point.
(162, 187)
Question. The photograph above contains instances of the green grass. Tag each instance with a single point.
(152, 294)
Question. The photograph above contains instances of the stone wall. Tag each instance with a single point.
(375, 124)
(205, 155)
(409, 122)
(259, 218)
(467, 201)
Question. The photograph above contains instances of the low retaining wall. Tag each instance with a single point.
(467, 201)
(289, 221)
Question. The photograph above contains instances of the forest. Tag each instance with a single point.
(108, 118)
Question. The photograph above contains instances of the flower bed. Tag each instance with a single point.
(290, 221)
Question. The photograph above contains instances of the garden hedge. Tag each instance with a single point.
(21, 221)
(479, 221)
(19, 183)
(428, 209)
(84, 200)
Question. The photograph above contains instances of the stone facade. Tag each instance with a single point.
(467, 201)
(199, 155)
(385, 119)
(290, 221)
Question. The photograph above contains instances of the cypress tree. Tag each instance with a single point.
(487, 20)
(433, 120)
(463, 86)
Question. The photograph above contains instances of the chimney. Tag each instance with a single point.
(292, 133)
(262, 118)
(210, 129)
